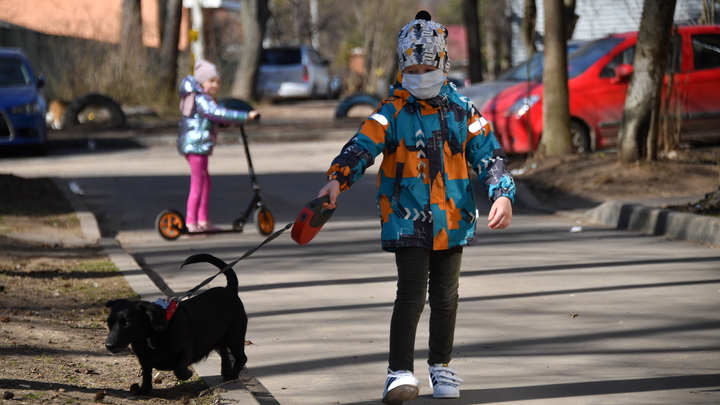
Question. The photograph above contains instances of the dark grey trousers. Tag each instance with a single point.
(435, 274)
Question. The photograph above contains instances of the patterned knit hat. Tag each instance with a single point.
(423, 42)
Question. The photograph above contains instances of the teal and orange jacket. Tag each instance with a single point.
(425, 190)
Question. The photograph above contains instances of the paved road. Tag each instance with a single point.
(601, 316)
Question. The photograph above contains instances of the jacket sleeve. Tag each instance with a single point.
(207, 108)
(360, 152)
(487, 158)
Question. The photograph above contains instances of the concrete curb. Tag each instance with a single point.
(88, 223)
(656, 221)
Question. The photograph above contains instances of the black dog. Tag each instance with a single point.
(213, 320)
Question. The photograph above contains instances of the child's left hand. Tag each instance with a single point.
(500, 214)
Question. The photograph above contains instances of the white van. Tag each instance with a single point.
(293, 72)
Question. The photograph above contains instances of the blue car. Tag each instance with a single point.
(22, 105)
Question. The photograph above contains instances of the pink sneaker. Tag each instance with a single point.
(193, 228)
(208, 226)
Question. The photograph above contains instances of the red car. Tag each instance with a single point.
(598, 77)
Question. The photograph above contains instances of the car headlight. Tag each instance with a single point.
(523, 105)
(29, 108)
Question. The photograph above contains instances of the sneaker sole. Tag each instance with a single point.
(397, 395)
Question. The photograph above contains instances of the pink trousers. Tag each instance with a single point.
(198, 202)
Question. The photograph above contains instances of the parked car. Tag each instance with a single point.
(22, 104)
(598, 77)
(294, 72)
(483, 91)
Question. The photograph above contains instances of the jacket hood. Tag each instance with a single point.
(189, 85)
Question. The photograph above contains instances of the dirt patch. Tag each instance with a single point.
(52, 311)
(578, 182)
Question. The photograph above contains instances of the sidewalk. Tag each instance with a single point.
(304, 303)
(624, 216)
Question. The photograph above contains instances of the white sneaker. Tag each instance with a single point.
(444, 381)
(399, 386)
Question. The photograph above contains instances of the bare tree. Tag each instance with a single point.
(570, 18)
(472, 30)
(640, 121)
(555, 139)
(169, 45)
(528, 26)
(131, 35)
(498, 37)
(255, 14)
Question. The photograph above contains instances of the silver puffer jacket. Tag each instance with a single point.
(199, 130)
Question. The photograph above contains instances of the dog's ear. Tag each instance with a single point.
(112, 303)
(156, 314)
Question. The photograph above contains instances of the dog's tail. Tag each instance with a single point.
(232, 281)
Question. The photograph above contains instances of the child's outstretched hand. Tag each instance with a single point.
(332, 190)
(252, 115)
(500, 214)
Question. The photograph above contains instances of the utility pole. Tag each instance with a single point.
(196, 33)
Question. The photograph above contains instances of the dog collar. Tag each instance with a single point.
(169, 305)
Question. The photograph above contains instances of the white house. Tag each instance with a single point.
(598, 18)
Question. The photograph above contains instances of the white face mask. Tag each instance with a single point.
(424, 85)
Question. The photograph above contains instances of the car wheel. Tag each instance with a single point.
(95, 110)
(356, 99)
(580, 137)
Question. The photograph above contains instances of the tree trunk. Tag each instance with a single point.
(255, 14)
(169, 47)
(472, 29)
(642, 103)
(555, 138)
(162, 6)
(496, 24)
(528, 26)
(570, 18)
(209, 36)
(131, 35)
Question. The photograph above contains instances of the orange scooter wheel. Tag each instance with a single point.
(170, 224)
(264, 221)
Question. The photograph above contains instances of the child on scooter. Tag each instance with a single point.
(201, 116)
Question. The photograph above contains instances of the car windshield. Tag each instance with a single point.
(281, 57)
(533, 67)
(584, 57)
(13, 72)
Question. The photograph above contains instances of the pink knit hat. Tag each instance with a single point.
(204, 70)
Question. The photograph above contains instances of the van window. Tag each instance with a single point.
(314, 57)
(624, 58)
(628, 56)
(281, 57)
(587, 55)
(706, 50)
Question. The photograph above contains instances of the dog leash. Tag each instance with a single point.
(218, 262)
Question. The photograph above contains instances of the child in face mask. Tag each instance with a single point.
(429, 136)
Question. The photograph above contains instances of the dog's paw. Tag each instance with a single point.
(140, 390)
(185, 374)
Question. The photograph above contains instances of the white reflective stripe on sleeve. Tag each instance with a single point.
(379, 118)
(475, 127)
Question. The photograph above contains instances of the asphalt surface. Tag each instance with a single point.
(596, 307)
